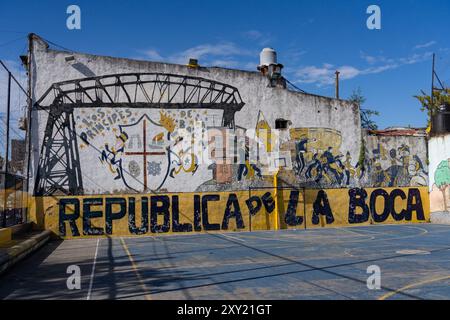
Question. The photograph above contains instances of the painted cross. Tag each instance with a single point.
(154, 136)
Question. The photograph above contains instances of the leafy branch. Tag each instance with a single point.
(366, 114)
(431, 106)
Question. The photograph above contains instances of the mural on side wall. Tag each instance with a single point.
(141, 125)
(440, 193)
(318, 158)
(136, 131)
(157, 147)
(394, 166)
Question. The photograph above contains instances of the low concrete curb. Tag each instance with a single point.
(440, 218)
(23, 249)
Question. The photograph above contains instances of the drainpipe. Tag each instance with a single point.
(275, 187)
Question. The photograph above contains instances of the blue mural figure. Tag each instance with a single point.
(333, 164)
(300, 150)
(379, 176)
(112, 156)
(315, 164)
(399, 173)
(243, 168)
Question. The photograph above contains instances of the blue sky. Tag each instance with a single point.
(312, 38)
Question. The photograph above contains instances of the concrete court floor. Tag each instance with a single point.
(414, 261)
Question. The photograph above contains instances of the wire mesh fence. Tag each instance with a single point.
(13, 126)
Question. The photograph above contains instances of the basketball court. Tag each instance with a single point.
(414, 261)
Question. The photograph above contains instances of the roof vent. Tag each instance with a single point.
(193, 63)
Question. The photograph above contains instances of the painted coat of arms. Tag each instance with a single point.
(141, 154)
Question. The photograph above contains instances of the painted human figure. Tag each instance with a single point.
(317, 167)
(418, 174)
(404, 178)
(394, 170)
(380, 177)
(244, 169)
(113, 156)
(333, 165)
(300, 150)
(186, 161)
(348, 168)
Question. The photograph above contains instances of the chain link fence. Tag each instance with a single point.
(13, 159)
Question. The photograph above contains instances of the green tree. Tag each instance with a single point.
(440, 98)
(442, 178)
(366, 114)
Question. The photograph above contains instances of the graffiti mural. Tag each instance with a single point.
(440, 193)
(141, 125)
(394, 166)
(140, 133)
(140, 214)
(318, 159)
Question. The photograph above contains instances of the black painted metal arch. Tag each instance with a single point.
(59, 169)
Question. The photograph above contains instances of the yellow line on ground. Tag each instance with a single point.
(413, 285)
(134, 266)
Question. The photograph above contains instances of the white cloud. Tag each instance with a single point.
(253, 34)
(312, 74)
(425, 45)
(415, 58)
(152, 54)
(225, 63)
(295, 54)
(224, 54)
(324, 75)
(226, 49)
(370, 59)
(261, 38)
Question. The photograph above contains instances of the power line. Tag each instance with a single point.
(56, 45)
(12, 31)
(14, 78)
(12, 41)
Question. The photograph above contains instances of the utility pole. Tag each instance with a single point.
(29, 113)
(337, 84)
(8, 109)
(432, 83)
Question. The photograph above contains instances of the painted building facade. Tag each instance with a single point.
(439, 180)
(178, 138)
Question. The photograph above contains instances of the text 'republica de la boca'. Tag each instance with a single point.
(142, 214)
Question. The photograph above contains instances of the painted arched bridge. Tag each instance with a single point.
(59, 170)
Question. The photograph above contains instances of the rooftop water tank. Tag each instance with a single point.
(267, 57)
(440, 121)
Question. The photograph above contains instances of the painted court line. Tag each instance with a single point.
(91, 282)
(134, 266)
(359, 234)
(231, 237)
(410, 286)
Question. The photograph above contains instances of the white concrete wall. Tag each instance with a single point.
(328, 122)
(439, 164)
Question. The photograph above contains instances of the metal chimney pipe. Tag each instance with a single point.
(337, 84)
